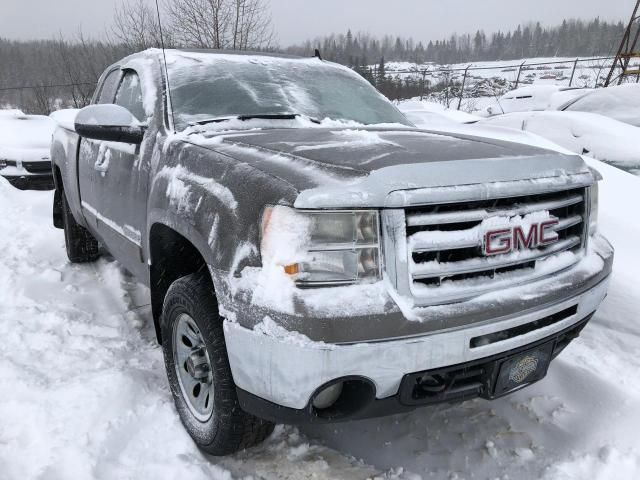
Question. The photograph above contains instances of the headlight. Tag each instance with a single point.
(322, 248)
(593, 209)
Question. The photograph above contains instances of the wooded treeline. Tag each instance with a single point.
(74, 65)
(571, 38)
(62, 73)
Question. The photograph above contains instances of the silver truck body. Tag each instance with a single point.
(440, 302)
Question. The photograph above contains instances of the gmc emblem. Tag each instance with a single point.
(507, 240)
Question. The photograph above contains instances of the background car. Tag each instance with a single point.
(534, 97)
(590, 134)
(621, 103)
(24, 149)
(424, 114)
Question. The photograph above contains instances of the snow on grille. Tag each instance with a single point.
(445, 243)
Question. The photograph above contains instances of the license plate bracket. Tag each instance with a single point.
(522, 369)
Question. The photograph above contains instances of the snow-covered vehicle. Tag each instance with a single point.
(535, 97)
(25, 141)
(425, 114)
(311, 255)
(583, 133)
(621, 103)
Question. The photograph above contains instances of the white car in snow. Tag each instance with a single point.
(534, 97)
(25, 142)
(621, 103)
(590, 134)
(424, 114)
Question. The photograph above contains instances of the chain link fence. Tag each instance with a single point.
(456, 87)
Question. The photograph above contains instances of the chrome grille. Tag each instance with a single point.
(442, 248)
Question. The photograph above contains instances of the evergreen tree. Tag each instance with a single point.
(571, 38)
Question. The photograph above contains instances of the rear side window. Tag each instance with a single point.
(109, 86)
(129, 95)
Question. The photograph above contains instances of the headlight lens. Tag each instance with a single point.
(593, 208)
(329, 248)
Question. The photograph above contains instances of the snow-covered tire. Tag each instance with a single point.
(81, 246)
(190, 309)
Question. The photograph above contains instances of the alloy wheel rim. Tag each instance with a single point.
(193, 367)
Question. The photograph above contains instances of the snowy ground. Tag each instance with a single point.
(83, 392)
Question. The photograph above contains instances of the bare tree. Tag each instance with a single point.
(135, 25)
(252, 25)
(39, 101)
(79, 63)
(219, 24)
(199, 23)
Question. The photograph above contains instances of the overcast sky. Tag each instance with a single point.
(297, 20)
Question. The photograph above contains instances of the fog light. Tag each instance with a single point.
(327, 397)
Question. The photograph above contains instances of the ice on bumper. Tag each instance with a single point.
(287, 368)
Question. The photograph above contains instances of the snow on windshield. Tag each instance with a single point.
(621, 103)
(206, 86)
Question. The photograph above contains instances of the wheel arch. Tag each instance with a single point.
(57, 197)
(172, 255)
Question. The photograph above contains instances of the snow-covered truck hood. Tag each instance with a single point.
(392, 167)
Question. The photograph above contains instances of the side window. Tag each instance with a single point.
(109, 86)
(129, 95)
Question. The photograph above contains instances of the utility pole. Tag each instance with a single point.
(629, 48)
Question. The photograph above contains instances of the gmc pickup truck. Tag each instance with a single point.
(311, 255)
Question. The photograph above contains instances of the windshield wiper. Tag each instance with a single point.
(259, 116)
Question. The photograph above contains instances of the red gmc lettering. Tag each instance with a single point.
(505, 245)
(507, 240)
(520, 241)
(548, 236)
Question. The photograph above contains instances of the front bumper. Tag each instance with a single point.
(458, 383)
(278, 375)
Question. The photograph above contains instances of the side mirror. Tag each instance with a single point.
(109, 122)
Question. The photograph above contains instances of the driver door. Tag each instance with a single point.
(119, 183)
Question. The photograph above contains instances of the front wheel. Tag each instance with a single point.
(199, 373)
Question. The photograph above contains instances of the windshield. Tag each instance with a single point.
(207, 86)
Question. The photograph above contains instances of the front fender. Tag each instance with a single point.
(215, 202)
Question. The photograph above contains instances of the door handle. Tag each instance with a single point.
(101, 167)
(102, 163)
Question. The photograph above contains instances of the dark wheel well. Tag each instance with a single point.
(172, 257)
(57, 197)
